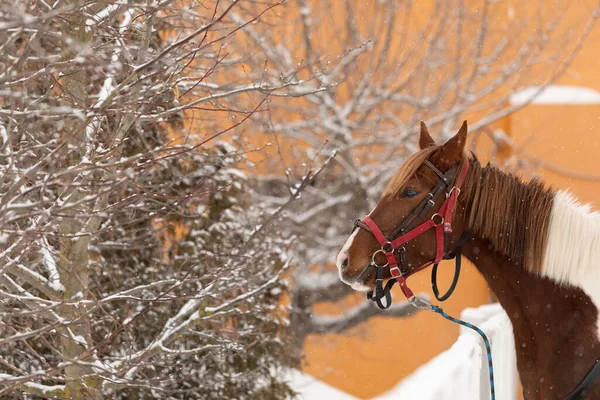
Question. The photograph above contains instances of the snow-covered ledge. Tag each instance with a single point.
(310, 388)
(461, 372)
(556, 94)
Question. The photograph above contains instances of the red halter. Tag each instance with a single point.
(441, 221)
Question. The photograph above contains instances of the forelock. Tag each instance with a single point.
(408, 169)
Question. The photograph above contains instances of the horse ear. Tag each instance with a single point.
(452, 151)
(425, 140)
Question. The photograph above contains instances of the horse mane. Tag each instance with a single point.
(512, 215)
(408, 169)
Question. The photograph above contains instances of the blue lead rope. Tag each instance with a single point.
(423, 304)
(486, 341)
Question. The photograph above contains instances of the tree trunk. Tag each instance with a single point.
(81, 382)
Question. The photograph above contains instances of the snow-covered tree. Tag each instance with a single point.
(134, 263)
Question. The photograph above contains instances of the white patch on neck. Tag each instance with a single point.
(573, 248)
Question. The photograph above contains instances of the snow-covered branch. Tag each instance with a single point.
(121, 219)
(34, 388)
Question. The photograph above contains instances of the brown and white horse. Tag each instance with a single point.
(537, 248)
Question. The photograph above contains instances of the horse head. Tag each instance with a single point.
(417, 193)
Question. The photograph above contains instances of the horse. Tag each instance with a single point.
(537, 248)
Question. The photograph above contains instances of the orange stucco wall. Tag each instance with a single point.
(563, 142)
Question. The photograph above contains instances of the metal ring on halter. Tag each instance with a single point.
(441, 219)
(387, 247)
(373, 262)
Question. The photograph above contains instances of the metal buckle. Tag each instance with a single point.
(448, 194)
(420, 303)
(397, 269)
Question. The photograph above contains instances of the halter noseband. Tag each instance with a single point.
(441, 221)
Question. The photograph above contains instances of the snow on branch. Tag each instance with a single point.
(120, 223)
(212, 311)
(34, 388)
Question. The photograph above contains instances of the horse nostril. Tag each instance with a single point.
(342, 260)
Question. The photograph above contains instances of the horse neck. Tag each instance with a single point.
(554, 323)
(554, 326)
(512, 215)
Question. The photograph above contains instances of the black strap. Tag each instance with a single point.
(439, 173)
(402, 252)
(586, 384)
(434, 284)
(457, 253)
(584, 387)
(380, 291)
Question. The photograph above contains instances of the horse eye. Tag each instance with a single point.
(409, 192)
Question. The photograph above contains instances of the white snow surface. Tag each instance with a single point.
(310, 388)
(460, 372)
(556, 94)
